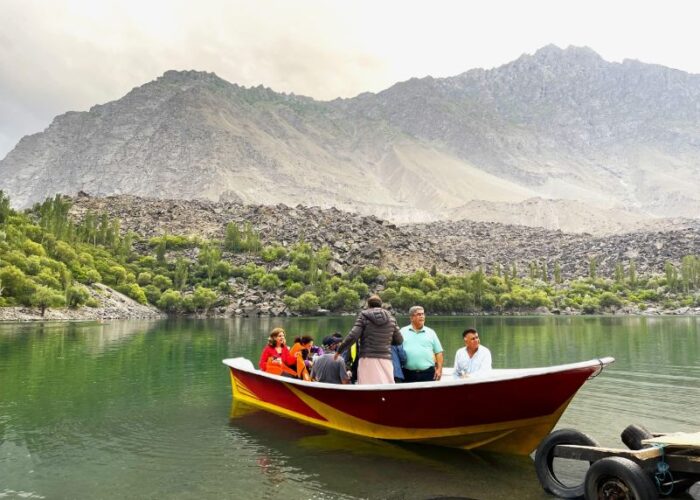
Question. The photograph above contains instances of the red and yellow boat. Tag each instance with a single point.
(507, 411)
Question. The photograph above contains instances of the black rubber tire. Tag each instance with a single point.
(632, 436)
(544, 459)
(619, 478)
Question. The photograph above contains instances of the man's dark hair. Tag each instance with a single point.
(468, 331)
(374, 301)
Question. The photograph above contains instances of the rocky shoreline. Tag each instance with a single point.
(112, 305)
(28, 314)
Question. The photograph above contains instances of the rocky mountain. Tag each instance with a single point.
(356, 241)
(560, 139)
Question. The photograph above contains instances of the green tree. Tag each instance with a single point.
(557, 273)
(307, 303)
(251, 239)
(76, 295)
(270, 282)
(592, 268)
(181, 273)
(152, 293)
(671, 276)
(632, 273)
(209, 257)
(16, 284)
(170, 300)
(619, 273)
(294, 288)
(161, 249)
(45, 297)
(144, 278)
(609, 299)
(161, 282)
(203, 298)
(5, 208)
(233, 241)
(478, 284)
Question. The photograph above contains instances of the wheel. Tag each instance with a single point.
(617, 478)
(632, 436)
(544, 462)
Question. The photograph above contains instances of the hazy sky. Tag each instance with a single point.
(58, 56)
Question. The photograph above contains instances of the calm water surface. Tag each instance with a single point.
(143, 410)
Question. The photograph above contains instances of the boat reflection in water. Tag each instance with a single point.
(333, 464)
(507, 411)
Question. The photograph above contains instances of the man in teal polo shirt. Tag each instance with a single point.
(423, 349)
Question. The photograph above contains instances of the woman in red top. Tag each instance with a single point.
(276, 358)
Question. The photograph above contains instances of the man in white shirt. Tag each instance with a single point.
(472, 359)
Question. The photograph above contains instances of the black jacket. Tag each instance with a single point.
(376, 331)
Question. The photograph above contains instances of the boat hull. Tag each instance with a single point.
(509, 413)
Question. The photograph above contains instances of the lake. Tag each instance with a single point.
(134, 409)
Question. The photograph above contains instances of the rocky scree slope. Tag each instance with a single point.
(357, 241)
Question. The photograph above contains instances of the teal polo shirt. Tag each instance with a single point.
(421, 347)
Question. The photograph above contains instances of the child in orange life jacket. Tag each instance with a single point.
(301, 349)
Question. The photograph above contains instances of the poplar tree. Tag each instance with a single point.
(592, 268)
(619, 273)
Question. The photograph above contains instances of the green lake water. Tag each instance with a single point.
(132, 409)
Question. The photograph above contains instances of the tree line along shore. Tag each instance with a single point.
(51, 260)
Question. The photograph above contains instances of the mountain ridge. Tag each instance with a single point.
(558, 125)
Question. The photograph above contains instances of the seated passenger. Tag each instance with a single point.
(473, 359)
(302, 348)
(327, 368)
(398, 359)
(276, 357)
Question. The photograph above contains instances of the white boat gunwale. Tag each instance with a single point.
(496, 375)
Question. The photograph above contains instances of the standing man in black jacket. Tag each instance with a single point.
(376, 330)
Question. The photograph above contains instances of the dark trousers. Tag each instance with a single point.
(419, 375)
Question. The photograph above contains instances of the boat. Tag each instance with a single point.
(506, 411)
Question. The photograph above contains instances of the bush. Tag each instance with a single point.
(273, 253)
(590, 305)
(346, 299)
(361, 288)
(33, 265)
(174, 242)
(162, 282)
(152, 293)
(609, 299)
(294, 289)
(134, 291)
(64, 252)
(17, 259)
(32, 248)
(170, 300)
(270, 282)
(49, 278)
(369, 274)
(77, 295)
(203, 299)
(92, 276)
(144, 278)
(44, 297)
(307, 303)
(16, 284)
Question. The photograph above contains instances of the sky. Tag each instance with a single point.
(58, 56)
